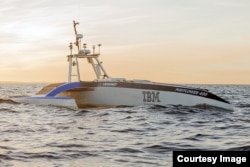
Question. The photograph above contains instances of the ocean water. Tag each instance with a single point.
(44, 136)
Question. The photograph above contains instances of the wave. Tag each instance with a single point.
(242, 148)
(243, 105)
(8, 101)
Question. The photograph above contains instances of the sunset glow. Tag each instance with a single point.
(200, 42)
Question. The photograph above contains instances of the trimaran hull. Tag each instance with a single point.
(106, 94)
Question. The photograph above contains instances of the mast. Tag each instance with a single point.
(84, 53)
(77, 43)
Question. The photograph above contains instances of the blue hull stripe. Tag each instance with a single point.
(63, 88)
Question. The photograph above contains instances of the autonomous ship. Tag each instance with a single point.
(106, 91)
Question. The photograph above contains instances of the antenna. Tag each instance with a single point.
(75, 23)
(70, 47)
(77, 36)
(99, 46)
(93, 49)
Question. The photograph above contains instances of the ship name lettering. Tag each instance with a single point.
(192, 92)
(203, 94)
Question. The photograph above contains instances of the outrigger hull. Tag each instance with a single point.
(130, 93)
(65, 102)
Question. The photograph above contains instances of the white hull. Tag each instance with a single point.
(116, 96)
(127, 93)
(107, 94)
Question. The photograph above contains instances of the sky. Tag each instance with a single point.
(169, 41)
